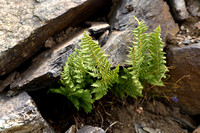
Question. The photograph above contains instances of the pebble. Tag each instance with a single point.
(187, 42)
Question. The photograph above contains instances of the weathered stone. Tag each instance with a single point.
(197, 130)
(193, 7)
(153, 12)
(26, 25)
(20, 115)
(72, 129)
(98, 27)
(179, 10)
(116, 47)
(90, 129)
(103, 38)
(46, 68)
(186, 61)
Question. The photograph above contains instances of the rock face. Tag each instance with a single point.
(26, 25)
(186, 61)
(179, 9)
(45, 67)
(153, 12)
(22, 117)
(193, 7)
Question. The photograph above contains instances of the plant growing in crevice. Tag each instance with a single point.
(87, 75)
(146, 62)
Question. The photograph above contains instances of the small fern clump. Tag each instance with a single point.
(146, 62)
(87, 75)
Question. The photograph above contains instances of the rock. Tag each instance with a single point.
(187, 42)
(193, 7)
(46, 68)
(90, 129)
(186, 73)
(152, 12)
(179, 9)
(20, 114)
(98, 27)
(6, 82)
(197, 130)
(72, 129)
(26, 25)
(197, 25)
(138, 129)
(116, 47)
(103, 38)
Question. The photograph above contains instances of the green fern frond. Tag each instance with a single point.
(87, 75)
(157, 68)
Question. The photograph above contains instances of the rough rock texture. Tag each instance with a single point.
(179, 9)
(90, 129)
(153, 12)
(26, 25)
(116, 47)
(193, 7)
(22, 117)
(45, 67)
(186, 61)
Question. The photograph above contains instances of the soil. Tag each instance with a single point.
(114, 115)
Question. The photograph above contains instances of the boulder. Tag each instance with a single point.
(179, 9)
(185, 76)
(45, 68)
(19, 114)
(153, 12)
(26, 25)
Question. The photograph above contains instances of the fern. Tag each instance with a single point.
(87, 75)
(146, 61)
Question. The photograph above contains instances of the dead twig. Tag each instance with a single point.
(111, 125)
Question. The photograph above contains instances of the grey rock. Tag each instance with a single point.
(6, 82)
(138, 129)
(187, 42)
(186, 61)
(151, 11)
(116, 47)
(179, 9)
(26, 25)
(150, 130)
(98, 27)
(46, 68)
(72, 129)
(193, 7)
(90, 129)
(20, 115)
(103, 38)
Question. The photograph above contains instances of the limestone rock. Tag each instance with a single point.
(26, 25)
(153, 12)
(179, 9)
(20, 115)
(90, 129)
(186, 61)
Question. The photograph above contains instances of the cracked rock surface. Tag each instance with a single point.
(26, 25)
(22, 117)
